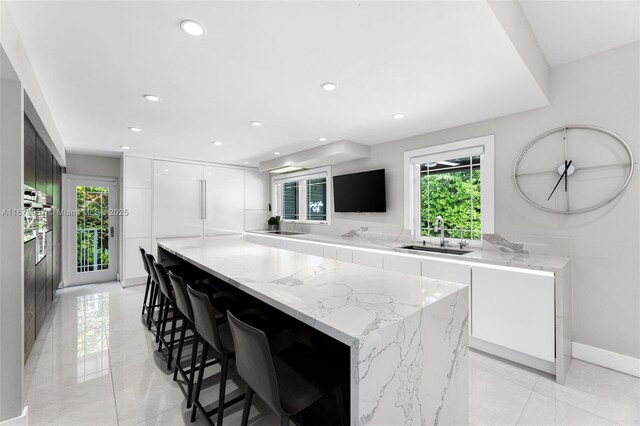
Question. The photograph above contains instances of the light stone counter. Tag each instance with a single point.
(408, 335)
(524, 260)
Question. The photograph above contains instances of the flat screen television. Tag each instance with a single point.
(360, 192)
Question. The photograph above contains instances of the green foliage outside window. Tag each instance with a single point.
(92, 250)
(454, 195)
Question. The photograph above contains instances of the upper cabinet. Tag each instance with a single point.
(256, 190)
(29, 154)
(177, 199)
(42, 159)
(138, 172)
(224, 200)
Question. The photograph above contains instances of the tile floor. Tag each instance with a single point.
(95, 364)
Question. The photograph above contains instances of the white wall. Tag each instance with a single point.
(93, 165)
(602, 90)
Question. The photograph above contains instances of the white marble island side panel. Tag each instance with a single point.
(408, 335)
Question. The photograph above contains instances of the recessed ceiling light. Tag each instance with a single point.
(245, 162)
(398, 115)
(192, 28)
(322, 139)
(329, 87)
(276, 153)
(152, 98)
(256, 123)
(135, 129)
(124, 147)
(217, 143)
(166, 170)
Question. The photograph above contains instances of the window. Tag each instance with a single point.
(454, 181)
(302, 196)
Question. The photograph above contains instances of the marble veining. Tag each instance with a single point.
(408, 335)
(504, 245)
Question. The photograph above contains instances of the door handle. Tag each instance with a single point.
(112, 233)
(204, 197)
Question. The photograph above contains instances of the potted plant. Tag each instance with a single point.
(274, 223)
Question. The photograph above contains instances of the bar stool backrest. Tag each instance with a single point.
(204, 319)
(163, 280)
(181, 297)
(145, 263)
(150, 261)
(254, 362)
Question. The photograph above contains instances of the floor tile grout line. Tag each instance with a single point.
(527, 402)
(113, 387)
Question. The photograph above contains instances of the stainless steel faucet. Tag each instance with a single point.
(440, 220)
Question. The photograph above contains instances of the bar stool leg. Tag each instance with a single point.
(165, 319)
(146, 294)
(174, 323)
(152, 307)
(159, 322)
(247, 406)
(223, 384)
(196, 395)
(192, 372)
(183, 334)
(284, 420)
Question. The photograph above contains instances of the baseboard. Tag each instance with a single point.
(22, 420)
(615, 361)
(130, 282)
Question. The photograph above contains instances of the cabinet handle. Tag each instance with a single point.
(204, 197)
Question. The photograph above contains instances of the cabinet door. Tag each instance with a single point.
(177, 199)
(41, 294)
(224, 201)
(42, 158)
(447, 271)
(29, 154)
(344, 254)
(402, 263)
(256, 190)
(367, 258)
(514, 309)
(29, 296)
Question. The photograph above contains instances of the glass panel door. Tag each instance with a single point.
(92, 248)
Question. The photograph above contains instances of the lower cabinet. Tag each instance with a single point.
(402, 263)
(367, 258)
(29, 296)
(514, 309)
(41, 293)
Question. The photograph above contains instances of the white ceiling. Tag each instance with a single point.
(572, 29)
(441, 63)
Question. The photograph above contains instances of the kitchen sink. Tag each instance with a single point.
(445, 250)
(285, 232)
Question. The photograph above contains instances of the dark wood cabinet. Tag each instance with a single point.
(29, 154)
(42, 158)
(29, 296)
(42, 172)
(41, 293)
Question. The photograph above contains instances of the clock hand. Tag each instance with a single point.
(566, 167)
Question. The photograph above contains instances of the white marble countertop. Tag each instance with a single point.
(553, 264)
(341, 299)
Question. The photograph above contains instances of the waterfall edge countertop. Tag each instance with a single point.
(408, 336)
(341, 299)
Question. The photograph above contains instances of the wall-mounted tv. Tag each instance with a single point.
(360, 192)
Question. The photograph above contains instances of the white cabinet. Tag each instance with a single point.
(367, 258)
(402, 263)
(138, 221)
(304, 247)
(138, 172)
(344, 254)
(177, 198)
(514, 309)
(256, 190)
(224, 201)
(330, 252)
(446, 271)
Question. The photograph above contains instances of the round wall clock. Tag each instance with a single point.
(573, 169)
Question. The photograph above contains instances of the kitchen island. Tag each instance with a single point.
(407, 335)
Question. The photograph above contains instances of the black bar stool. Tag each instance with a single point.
(145, 303)
(169, 305)
(288, 382)
(185, 312)
(217, 337)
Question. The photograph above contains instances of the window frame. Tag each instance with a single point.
(445, 151)
(302, 176)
